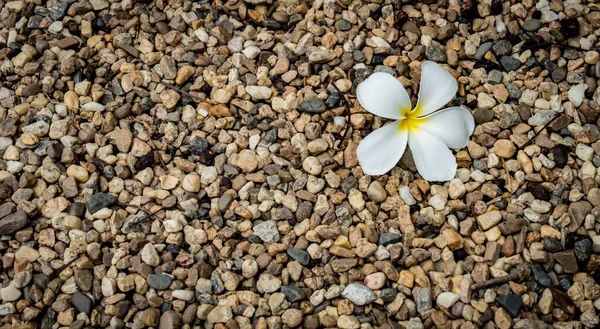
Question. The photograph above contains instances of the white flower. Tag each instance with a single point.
(429, 134)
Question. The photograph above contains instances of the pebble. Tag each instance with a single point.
(98, 201)
(267, 231)
(82, 303)
(511, 303)
(259, 92)
(13, 222)
(447, 299)
(293, 294)
(504, 148)
(359, 294)
(159, 281)
(532, 25)
(577, 93)
(314, 105)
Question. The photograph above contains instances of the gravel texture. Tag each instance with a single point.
(192, 164)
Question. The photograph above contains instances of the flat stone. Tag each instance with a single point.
(511, 303)
(82, 303)
(159, 281)
(315, 105)
(67, 43)
(13, 222)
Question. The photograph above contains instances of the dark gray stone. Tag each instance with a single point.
(511, 303)
(159, 281)
(98, 201)
(197, 145)
(293, 294)
(540, 276)
(299, 255)
(82, 302)
(510, 63)
(482, 50)
(389, 238)
(315, 105)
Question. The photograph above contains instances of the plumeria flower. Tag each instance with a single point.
(429, 133)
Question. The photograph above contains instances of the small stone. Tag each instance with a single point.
(13, 222)
(292, 317)
(267, 283)
(545, 303)
(504, 148)
(376, 192)
(315, 105)
(510, 63)
(489, 220)
(170, 98)
(259, 92)
(511, 303)
(375, 281)
(423, 299)
(149, 255)
(532, 25)
(502, 319)
(10, 293)
(447, 299)
(169, 320)
(540, 276)
(301, 256)
(359, 294)
(197, 145)
(220, 314)
(82, 303)
(293, 294)
(151, 317)
(583, 249)
(159, 281)
(389, 238)
(267, 231)
(247, 161)
(577, 94)
(348, 322)
(98, 201)
(27, 253)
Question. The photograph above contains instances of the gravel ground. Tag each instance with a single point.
(192, 164)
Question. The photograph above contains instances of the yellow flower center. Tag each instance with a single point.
(409, 120)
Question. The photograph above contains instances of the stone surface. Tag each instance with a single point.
(359, 294)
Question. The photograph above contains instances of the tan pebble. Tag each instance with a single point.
(168, 182)
(29, 139)
(549, 231)
(78, 172)
(169, 98)
(504, 148)
(71, 100)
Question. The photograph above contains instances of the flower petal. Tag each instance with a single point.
(434, 160)
(381, 150)
(383, 95)
(436, 89)
(453, 126)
